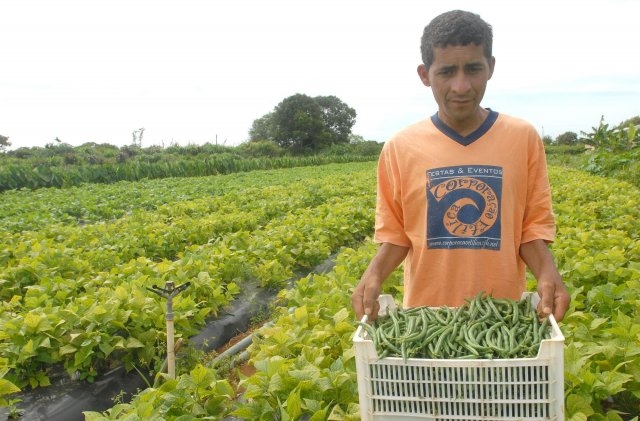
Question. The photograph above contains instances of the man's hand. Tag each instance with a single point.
(364, 299)
(554, 297)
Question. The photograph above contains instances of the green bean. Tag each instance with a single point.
(483, 327)
(516, 313)
(396, 323)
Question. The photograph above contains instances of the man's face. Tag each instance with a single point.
(458, 78)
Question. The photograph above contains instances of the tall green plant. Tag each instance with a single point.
(615, 139)
(6, 387)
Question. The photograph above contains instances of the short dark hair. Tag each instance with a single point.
(456, 27)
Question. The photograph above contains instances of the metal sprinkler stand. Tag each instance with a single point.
(168, 292)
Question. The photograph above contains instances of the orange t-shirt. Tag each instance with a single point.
(463, 205)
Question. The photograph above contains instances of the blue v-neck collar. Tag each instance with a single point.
(470, 138)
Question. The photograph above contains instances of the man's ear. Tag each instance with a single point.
(492, 66)
(423, 72)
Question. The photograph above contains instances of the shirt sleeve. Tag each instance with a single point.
(389, 222)
(538, 223)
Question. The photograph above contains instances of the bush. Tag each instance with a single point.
(369, 148)
(565, 149)
(262, 148)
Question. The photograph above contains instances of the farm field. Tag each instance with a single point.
(74, 287)
(76, 264)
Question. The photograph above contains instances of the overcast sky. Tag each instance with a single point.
(191, 71)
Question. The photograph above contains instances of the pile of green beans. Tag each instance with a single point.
(483, 328)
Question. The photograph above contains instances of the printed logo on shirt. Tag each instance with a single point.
(463, 207)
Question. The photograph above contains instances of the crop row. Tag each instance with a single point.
(304, 360)
(310, 371)
(598, 253)
(23, 209)
(27, 176)
(84, 314)
(72, 251)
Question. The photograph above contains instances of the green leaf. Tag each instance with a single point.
(32, 320)
(309, 372)
(301, 315)
(276, 384)
(344, 327)
(121, 293)
(43, 379)
(27, 351)
(337, 414)
(106, 348)
(578, 408)
(202, 376)
(612, 416)
(294, 404)
(341, 316)
(82, 355)
(133, 343)
(614, 382)
(185, 418)
(223, 388)
(7, 388)
(67, 349)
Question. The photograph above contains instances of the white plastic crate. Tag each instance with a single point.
(392, 389)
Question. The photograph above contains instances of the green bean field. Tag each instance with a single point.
(77, 262)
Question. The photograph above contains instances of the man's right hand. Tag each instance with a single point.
(364, 299)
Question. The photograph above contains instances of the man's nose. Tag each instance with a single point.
(460, 83)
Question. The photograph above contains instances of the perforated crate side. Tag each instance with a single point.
(391, 389)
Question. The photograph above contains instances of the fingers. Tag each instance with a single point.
(561, 304)
(357, 303)
(365, 301)
(371, 307)
(368, 303)
(545, 307)
(554, 299)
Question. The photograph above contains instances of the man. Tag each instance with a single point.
(463, 197)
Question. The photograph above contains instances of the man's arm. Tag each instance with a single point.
(554, 297)
(365, 297)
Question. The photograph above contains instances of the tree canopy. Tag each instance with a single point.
(567, 138)
(301, 123)
(4, 142)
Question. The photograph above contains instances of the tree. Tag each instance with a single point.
(338, 117)
(567, 138)
(137, 137)
(300, 123)
(262, 129)
(635, 121)
(614, 139)
(4, 143)
(356, 138)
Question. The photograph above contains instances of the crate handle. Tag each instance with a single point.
(386, 303)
